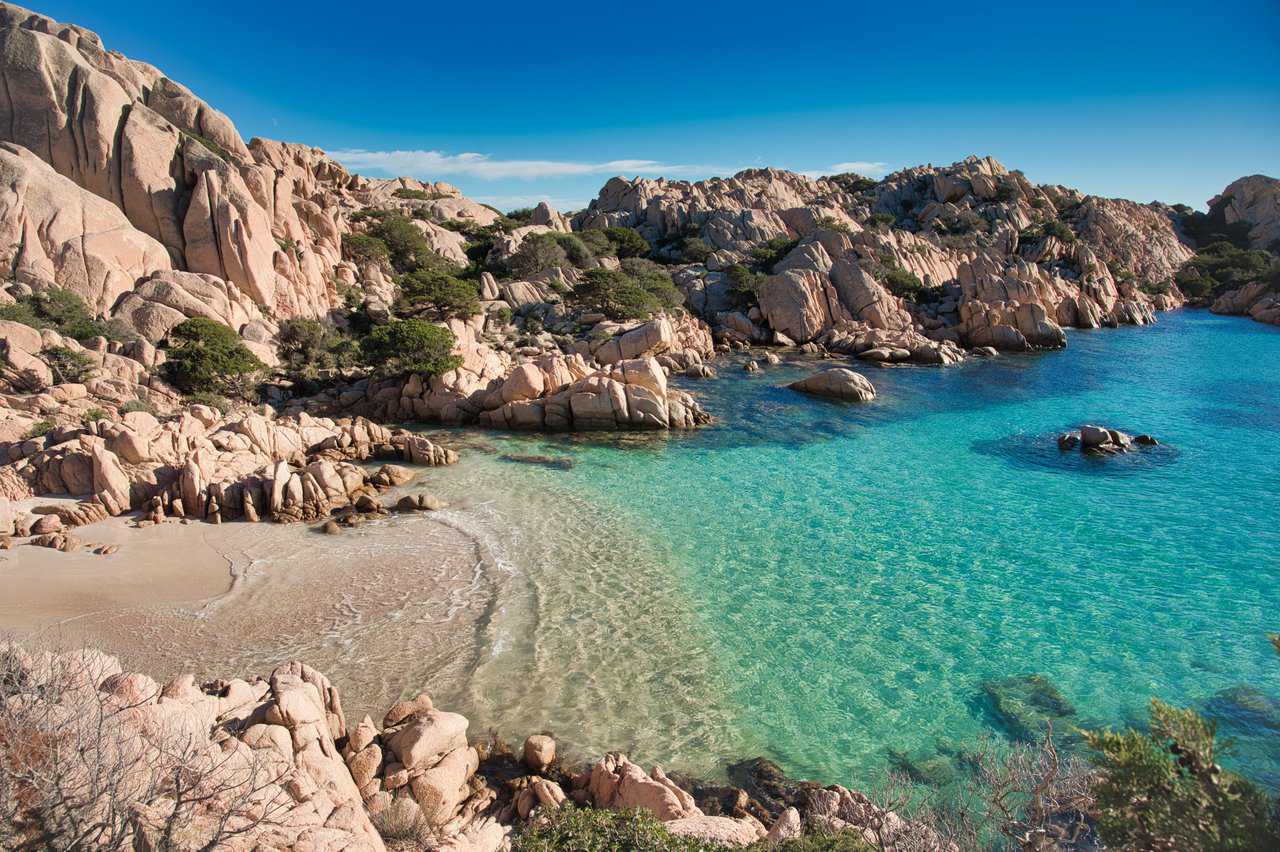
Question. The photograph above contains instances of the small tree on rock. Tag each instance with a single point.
(205, 355)
(410, 346)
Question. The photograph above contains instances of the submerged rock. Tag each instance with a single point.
(554, 462)
(1026, 705)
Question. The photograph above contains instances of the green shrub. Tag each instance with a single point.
(410, 346)
(1205, 229)
(137, 405)
(537, 253)
(213, 147)
(853, 183)
(879, 221)
(695, 250)
(418, 194)
(597, 241)
(902, 283)
(638, 290)
(520, 216)
(67, 365)
(574, 829)
(579, 254)
(1222, 266)
(364, 248)
(38, 430)
(1164, 789)
(212, 400)
(1049, 228)
(1154, 288)
(58, 309)
(302, 338)
(93, 415)
(744, 283)
(627, 242)
(767, 254)
(831, 223)
(407, 246)
(438, 295)
(205, 355)
(501, 316)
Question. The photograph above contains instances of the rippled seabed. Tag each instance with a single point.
(832, 585)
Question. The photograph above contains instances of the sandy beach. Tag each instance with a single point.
(388, 609)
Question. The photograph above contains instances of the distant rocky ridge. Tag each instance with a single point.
(974, 233)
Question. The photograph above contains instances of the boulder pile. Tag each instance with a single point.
(1100, 440)
(206, 465)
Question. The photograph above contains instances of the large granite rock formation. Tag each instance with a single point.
(977, 255)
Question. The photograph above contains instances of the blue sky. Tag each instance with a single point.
(517, 102)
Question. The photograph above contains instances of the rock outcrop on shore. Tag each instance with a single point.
(205, 465)
(618, 381)
(1252, 203)
(274, 763)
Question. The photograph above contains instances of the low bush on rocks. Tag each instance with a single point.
(627, 242)
(880, 221)
(437, 294)
(418, 194)
(745, 283)
(67, 365)
(307, 346)
(1222, 266)
(540, 252)
(695, 250)
(57, 309)
(852, 182)
(38, 429)
(218, 403)
(207, 356)
(410, 346)
(1049, 228)
(638, 290)
(536, 253)
(93, 415)
(768, 253)
(572, 829)
(364, 248)
(137, 405)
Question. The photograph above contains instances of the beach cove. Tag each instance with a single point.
(789, 582)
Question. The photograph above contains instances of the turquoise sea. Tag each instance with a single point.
(846, 588)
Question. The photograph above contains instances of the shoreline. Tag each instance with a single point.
(209, 599)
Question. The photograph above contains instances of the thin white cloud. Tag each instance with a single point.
(434, 164)
(866, 168)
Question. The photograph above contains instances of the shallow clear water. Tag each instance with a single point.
(832, 585)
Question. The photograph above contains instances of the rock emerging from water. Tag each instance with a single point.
(837, 383)
(1100, 440)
